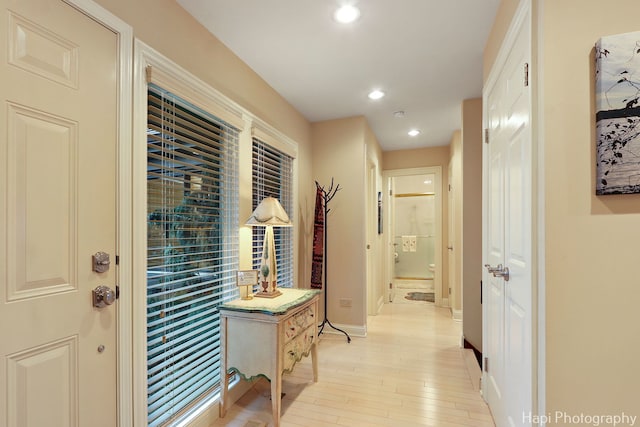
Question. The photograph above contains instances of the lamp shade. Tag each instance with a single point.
(269, 212)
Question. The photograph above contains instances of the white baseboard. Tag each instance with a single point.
(456, 315)
(444, 302)
(352, 330)
(380, 304)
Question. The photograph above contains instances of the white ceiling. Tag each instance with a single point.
(425, 54)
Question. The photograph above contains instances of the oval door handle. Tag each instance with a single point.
(103, 296)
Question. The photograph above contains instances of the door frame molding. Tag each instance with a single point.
(525, 15)
(124, 361)
(388, 251)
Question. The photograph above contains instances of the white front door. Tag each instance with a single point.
(508, 308)
(57, 209)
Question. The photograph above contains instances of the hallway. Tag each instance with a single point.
(408, 372)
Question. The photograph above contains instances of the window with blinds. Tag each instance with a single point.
(272, 176)
(192, 184)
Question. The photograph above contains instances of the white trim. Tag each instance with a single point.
(124, 34)
(388, 252)
(139, 209)
(175, 79)
(538, 181)
(456, 315)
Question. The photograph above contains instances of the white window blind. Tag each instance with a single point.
(192, 184)
(272, 176)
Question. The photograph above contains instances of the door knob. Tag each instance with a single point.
(103, 296)
(499, 271)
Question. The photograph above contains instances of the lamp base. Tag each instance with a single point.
(268, 294)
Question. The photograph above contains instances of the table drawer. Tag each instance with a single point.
(298, 322)
(298, 348)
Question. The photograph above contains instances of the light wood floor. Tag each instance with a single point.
(409, 371)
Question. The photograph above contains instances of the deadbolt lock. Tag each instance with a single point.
(101, 262)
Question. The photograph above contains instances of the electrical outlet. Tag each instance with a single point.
(345, 302)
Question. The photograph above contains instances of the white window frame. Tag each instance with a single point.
(176, 79)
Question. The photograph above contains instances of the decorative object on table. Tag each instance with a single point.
(617, 103)
(326, 196)
(246, 280)
(269, 213)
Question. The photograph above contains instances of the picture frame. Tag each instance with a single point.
(617, 105)
(245, 281)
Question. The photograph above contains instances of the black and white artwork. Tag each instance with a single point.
(618, 114)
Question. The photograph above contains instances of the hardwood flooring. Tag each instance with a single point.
(409, 371)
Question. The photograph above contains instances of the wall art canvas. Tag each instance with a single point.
(617, 101)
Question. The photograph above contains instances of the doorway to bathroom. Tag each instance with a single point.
(414, 241)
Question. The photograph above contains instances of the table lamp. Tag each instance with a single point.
(269, 213)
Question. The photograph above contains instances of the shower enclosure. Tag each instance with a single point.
(415, 231)
(414, 236)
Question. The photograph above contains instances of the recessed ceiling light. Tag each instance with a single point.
(414, 132)
(376, 94)
(347, 14)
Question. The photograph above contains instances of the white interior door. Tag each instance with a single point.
(508, 331)
(57, 209)
(374, 285)
(451, 238)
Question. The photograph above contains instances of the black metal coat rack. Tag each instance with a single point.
(327, 195)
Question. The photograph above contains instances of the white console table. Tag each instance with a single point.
(267, 337)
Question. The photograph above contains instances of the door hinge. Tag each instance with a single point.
(117, 291)
(526, 74)
(486, 364)
(117, 259)
(391, 192)
(486, 135)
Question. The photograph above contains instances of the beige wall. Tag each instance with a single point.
(422, 158)
(592, 289)
(472, 221)
(166, 27)
(592, 268)
(416, 158)
(339, 153)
